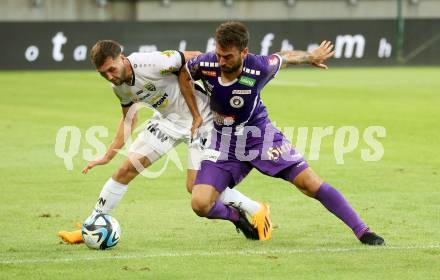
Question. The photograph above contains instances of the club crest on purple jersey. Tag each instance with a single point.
(236, 101)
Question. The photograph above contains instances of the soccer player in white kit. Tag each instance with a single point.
(151, 79)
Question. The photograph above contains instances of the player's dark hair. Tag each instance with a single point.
(103, 49)
(232, 34)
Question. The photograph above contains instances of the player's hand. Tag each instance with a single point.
(321, 54)
(91, 164)
(197, 122)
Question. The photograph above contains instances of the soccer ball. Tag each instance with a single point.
(101, 232)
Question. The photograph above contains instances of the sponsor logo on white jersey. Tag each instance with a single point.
(150, 86)
(161, 102)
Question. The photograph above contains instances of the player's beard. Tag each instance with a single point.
(232, 69)
(117, 81)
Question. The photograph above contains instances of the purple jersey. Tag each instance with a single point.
(237, 103)
(239, 113)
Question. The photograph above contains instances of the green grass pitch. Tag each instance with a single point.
(398, 196)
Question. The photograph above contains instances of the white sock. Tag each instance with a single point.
(111, 194)
(239, 200)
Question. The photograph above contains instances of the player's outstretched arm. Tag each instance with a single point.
(315, 58)
(187, 89)
(124, 130)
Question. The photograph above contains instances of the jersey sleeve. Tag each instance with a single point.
(270, 65)
(157, 64)
(193, 68)
(168, 62)
(124, 98)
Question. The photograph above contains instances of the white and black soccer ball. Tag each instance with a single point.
(101, 232)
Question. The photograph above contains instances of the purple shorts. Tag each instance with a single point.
(275, 157)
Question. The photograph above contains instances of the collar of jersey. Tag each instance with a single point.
(133, 77)
(233, 81)
(226, 84)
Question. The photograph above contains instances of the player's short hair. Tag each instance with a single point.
(232, 34)
(103, 49)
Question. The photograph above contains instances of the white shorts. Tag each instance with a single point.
(156, 140)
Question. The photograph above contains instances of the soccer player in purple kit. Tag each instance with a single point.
(244, 137)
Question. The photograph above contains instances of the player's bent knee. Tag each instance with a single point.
(202, 199)
(312, 184)
(200, 206)
(308, 182)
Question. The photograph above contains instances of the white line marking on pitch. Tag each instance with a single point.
(219, 254)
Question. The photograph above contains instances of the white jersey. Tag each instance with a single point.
(155, 83)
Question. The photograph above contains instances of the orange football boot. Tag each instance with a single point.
(261, 221)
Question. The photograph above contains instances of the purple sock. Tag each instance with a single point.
(224, 212)
(339, 206)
